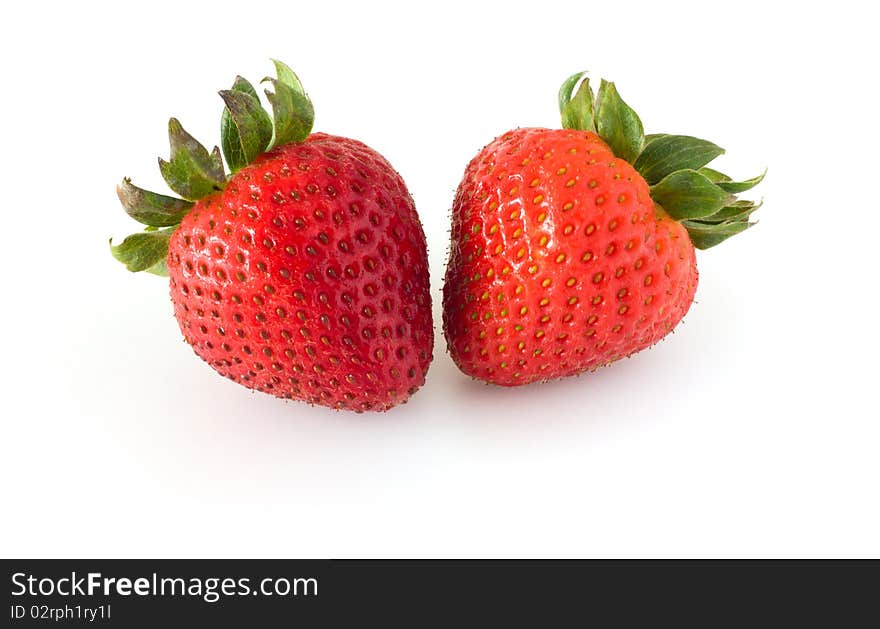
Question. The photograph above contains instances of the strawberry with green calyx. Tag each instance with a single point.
(573, 248)
(304, 272)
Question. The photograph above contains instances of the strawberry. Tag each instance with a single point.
(574, 247)
(304, 272)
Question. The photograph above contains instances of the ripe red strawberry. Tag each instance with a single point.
(303, 274)
(572, 248)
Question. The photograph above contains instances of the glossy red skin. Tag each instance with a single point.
(307, 278)
(555, 236)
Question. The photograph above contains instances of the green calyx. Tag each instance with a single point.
(191, 171)
(703, 200)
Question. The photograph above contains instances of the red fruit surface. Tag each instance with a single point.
(559, 262)
(307, 278)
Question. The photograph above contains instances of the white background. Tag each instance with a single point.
(752, 431)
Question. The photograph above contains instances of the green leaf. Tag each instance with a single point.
(186, 178)
(143, 251)
(618, 125)
(293, 113)
(664, 155)
(577, 109)
(160, 268)
(741, 186)
(251, 121)
(288, 77)
(182, 143)
(149, 208)
(241, 84)
(705, 236)
(654, 136)
(229, 138)
(687, 194)
(738, 211)
(191, 171)
(567, 87)
(713, 175)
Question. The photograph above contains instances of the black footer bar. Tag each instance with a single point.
(412, 593)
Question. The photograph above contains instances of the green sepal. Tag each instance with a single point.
(726, 183)
(737, 211)
(650, 137)
(191, 171)
(726, 222)
(736, 187)
(666, 154)
(229, 138)
(713, 175)
(144, 251)
(686, 194)
(617, 124)
(150, 208)
(253, 124)
(705, 236)
(287, 76)
(576, 107)
(293, 113)
(160, 268)
(292, 109)
(566, 91)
